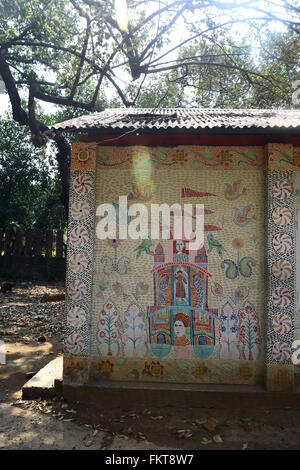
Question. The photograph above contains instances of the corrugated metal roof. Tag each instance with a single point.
(182, 118)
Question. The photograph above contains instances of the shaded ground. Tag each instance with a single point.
(33, 333)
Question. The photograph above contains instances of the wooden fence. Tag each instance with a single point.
(33, 254)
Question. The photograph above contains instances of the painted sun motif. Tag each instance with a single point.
(281, 297)
(282, 190)
(282, 323)
(282, 242)
(83, 184)
(80, 210)
(282, 269)
(83, 156)
(79, 237)
(281, 216)
(76, 317)
(74, 343)
(281, 351)
(78, 263)
(77, 290)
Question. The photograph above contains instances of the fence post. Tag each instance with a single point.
(38, 243)
(59, 243)
(48, 247)
(17, 250)
(28, 242)
(8, 236)
(1, 236)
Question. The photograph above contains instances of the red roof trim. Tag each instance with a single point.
(192, 139)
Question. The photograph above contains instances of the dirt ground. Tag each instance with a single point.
(33, 331)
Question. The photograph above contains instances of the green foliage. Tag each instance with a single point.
(246, 73)
(29, 184)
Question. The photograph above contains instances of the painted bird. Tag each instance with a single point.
(242, 217)
(232, 192)
(213, 243)
(144, 246)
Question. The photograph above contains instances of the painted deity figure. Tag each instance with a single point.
(181, 284)
(179, 256)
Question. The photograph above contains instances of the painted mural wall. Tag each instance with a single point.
(160, 312)
(151, 310)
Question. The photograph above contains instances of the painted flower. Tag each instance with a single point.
(283, 378)
(141, 288)
(79, 237)
(78, 263)
(77, 290)
(180, 157)
(117, 324)
(114, 242)
(102, 321)
(155, 369)
(80, 210)
(245, 371)
(237, 243)
(83, 156)
(76, 317)
(74, 343)
(240, 293)
(83, 184)
(102, 334)
(225, 158)
(281, 351)
(106, 367)
(199, 371)
(217, 290)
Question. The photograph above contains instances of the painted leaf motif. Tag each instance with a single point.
(245, 266)
(231, 271)
(122, 265)
(107, 265)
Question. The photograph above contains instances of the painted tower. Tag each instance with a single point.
(180, 319)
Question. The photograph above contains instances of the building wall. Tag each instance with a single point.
(124, 296)
(297, 208)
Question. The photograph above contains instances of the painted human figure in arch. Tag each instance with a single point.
(181, 322)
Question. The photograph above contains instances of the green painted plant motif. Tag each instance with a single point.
(249, 332)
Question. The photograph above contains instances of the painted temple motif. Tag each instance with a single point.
(180, 319)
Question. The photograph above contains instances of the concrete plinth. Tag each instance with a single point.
(217, 396)
(45, 383)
